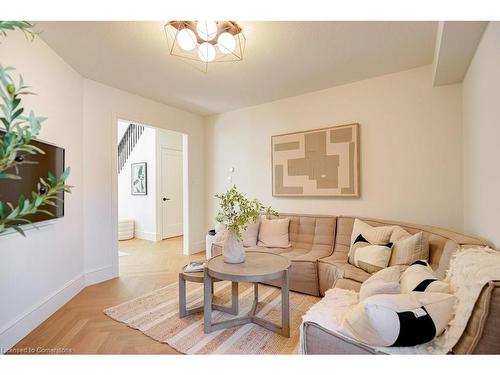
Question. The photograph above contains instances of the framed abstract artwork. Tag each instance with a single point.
(139, 178)
(316, 163)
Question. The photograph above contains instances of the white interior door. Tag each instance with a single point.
(171, 189)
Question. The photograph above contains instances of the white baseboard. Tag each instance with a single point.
(150, 236)
(32, 317)
(197, 247)
(98, 275)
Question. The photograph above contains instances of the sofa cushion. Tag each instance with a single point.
(346, 270)
(274, 233)
(332, 270)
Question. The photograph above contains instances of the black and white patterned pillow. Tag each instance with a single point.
(399, 319)
(420, 277)
(369, 257)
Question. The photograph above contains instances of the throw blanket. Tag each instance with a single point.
(470, 269)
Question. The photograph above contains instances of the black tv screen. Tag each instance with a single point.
(53, 161)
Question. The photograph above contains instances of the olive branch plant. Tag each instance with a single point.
(17, 130)
(236, 210)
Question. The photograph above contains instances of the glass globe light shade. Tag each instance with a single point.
(206, 52)
(207, 30)
(186, 39)
(226, 43)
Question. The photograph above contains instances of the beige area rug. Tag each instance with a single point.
(156, 315)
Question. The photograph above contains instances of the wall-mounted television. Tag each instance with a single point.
(53, 161)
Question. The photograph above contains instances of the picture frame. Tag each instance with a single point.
(322, 162)
(139, 178)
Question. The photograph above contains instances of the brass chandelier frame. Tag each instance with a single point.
(172, 28)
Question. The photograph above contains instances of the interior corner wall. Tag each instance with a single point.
(140, 208)
(411, 148)
(481, 122)
(40, 273)
(102, 107)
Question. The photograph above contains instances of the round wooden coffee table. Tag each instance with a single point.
(258, 267)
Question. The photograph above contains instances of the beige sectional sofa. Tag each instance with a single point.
(320, 245)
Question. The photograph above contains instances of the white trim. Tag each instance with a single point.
(186, 218)
(34, 226)
(158, 201)
(24, 323)
(149, 236)
(100, 274)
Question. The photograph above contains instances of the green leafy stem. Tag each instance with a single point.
(237, 211)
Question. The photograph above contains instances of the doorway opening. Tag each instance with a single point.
(152, 192)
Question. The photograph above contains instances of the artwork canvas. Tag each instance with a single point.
(139, 179)
(317, 163)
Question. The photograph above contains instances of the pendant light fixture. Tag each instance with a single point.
(201, 43)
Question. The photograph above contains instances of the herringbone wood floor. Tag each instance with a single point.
(81, 325)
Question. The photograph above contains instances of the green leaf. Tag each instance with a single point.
(18, 229)
(17, 113)
(65, 174)
(9, 176)
(52, 179)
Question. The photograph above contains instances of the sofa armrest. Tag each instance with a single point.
(319, 340)
(483, 328)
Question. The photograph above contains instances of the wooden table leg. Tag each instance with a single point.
(182, 297)
(285, 305)
(234, 298)
(207, 301)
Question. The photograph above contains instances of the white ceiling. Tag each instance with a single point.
(282, 59)
(456, 45)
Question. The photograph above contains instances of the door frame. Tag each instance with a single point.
(114, 183)
(159, 204)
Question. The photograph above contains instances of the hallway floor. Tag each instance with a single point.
(80, 326)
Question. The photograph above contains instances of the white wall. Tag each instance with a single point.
(40, 273)
(141, 208)
(481, 112)
(102, 107)
(411, 148)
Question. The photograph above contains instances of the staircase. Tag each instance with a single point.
(127, 144)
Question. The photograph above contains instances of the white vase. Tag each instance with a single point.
(233, 250)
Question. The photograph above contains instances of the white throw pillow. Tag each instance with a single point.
(274, 232)
(385, 281)
(399, 319)
(368, 257)
(378, 287)
(408, 249)
(374, 235)
(372, 258)
(399, 234)
(420, 277)
(251, 234)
